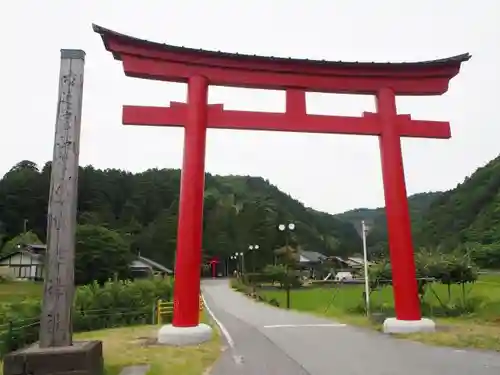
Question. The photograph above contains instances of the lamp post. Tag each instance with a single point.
(253, 248)
(233, 257)
(242, 256)
(241, 263)
(287, 228)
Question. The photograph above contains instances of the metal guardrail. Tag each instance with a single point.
(166, 308)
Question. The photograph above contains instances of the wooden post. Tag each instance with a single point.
(56, 322)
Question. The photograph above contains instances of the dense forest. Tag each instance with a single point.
(467, 217)
(142, 207)
(243, 210)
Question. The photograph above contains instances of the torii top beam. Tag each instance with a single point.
(150, 60)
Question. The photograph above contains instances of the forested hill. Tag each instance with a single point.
(377, 237)
(466, 218)
(470, 213)
(239, 211)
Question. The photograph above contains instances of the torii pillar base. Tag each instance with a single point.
(184, 336)
(393, 325)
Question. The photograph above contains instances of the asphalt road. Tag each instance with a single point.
(265, 340)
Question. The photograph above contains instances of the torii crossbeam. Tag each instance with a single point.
(294, 119)
(199, 69)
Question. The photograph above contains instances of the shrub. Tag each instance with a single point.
(432, 266)
(258, 278)
(5, 274)
(286, 278)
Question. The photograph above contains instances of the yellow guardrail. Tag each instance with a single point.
(165, 308)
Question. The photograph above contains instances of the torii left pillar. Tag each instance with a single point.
(185, 328)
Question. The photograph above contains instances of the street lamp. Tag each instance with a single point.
(286, 228)
(290, 227)
(253, 248)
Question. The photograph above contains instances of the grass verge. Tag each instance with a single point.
(461, 334)
(135, 346)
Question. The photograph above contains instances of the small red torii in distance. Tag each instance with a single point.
(199, 69)
(213, 264)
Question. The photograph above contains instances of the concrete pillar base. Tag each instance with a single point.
(393, 325)
(183, 336)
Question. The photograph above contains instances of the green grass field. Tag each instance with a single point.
(335, 301)
(18, 290)
(479, 329)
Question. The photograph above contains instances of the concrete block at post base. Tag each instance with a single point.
(393, 325)
(82, 358)
(184, 336)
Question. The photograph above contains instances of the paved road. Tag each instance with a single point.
(266, 340)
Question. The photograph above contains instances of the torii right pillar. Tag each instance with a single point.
(408, 315)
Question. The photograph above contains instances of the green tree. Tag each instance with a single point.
(28, 238)
(100, 254)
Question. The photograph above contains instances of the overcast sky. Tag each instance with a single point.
(332, 173)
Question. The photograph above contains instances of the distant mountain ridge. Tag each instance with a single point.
(376, 218)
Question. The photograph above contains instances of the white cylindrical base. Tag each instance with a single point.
(183, 336)
(393, 325)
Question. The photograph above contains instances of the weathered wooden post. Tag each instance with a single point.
(56, 352)
(59, 286)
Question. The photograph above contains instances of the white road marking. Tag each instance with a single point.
(305, 325)
(238, 359)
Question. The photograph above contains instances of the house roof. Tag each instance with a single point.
(346, 261)
(312, 256)
(33, 250)
(154, 265)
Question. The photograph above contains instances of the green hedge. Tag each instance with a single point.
(115, 304)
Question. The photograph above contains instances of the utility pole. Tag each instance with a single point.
(56, 320)
(364, 231)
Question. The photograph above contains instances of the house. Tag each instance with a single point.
(311, 257)
(146, 266)
(349, 263)
(358, 261)
(28, 263)
(311, 262)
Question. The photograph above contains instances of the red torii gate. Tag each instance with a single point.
(213, 265)
(199, 69)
